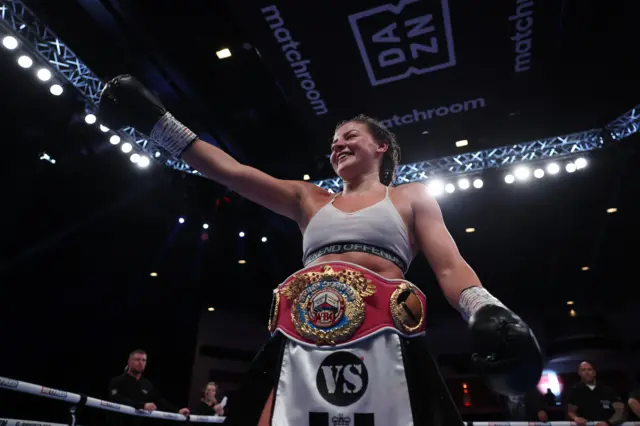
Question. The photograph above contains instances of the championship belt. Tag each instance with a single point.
(337, 303)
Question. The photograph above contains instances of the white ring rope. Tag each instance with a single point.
(18, 386)
(73, 398)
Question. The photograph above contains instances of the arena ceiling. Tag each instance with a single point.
(86, 232)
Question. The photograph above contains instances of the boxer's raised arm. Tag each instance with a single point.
(126, 102)
(453, 273)
(281, 196)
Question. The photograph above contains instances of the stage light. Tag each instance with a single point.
(570, 302)
(470, 230)
(56, 90)
(241, 234)
(223, 53)
(211, 309)
(570, 167)
(242, 261)
(44, 74)
(154, 274)
(450, 188)
(90, 119)
(25, 62)
(263, 239)
(612, 210)
(509, 178)
(205, 226)
(10, 42)
(114, 140)
(538, 173)
(585, 268)
(463, 183)
(553, 168)
(550, 380)
(144, 162)
(478, 183)
(572, 313)
(435, 188)
(181, 220)
(462, 143)
(306, 177)
(581, 163)
(157, 154)
(135, 157)
(522, 173)
(104, 129)
(126, 147)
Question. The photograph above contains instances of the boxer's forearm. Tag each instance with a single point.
(455, 279)
(211, 161)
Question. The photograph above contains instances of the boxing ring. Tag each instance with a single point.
(83, 400)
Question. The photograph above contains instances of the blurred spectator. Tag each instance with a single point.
(634, 397)
(549, 399)
(130, 388)
(594, 402)
(210, 402)
(528, 407)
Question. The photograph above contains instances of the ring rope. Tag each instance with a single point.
(73, 398)
(39, 390)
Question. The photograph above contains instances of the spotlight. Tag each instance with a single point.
(223, 53)
(114, 140)
(463, 183)
(449, 188)
(570, 302)
(153, 274)
(242, 261)
(126, 147)
(306, 177)
(144, 162)
(522, 173)
(56, 90)
(264, 239)
(211, 309)
(10, 42)
(470, 230)
(538, 173)
(90, 119)
(104, 129)
(612, 210)
(436, 188)
(585, 268)
(570, 167)
(157, 154)
(241, 234)
(581, 163)
(553, 168)
(509, 178)
(205, 226)
(478, 183)
(44, 74)
(462, 143)
(135, 157)
(25, 62)
(181, 220)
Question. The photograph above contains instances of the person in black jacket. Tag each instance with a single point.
(210, 404)
(131, 389)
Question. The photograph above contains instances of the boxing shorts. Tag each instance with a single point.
(347, 349)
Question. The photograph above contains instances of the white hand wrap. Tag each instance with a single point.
(474, 298)
(172, 135)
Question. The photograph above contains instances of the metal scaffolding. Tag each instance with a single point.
(17, 18)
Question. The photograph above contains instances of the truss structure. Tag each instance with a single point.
(44, 43)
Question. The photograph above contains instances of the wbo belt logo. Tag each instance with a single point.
(396, 42)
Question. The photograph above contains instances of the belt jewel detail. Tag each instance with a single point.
(328, 306)
(274, 311)
(406, 308)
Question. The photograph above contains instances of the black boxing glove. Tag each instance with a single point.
(506, 352)
(126, 102)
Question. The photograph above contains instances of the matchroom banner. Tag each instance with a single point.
(405, 62)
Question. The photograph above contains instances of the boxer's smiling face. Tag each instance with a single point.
(354, 151)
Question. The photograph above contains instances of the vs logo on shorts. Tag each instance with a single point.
(412, 38)
(342, 379)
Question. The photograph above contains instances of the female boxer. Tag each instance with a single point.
(347, 342)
